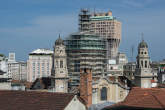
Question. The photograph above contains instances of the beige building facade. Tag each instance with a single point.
(143, 72)
(104, 25)
(108, 27)
(39, 64)
(59, 70)
(106, 90)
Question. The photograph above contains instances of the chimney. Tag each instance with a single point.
(86, 86)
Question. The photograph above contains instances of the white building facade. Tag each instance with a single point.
(4, 64)
(16, 70)
(39, 64)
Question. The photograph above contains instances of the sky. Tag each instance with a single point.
(26, 25)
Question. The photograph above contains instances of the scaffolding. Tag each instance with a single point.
(84, 20)
(85, 50)
(105, 25)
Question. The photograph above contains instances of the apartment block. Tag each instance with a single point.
(17, 70)
(39, 64)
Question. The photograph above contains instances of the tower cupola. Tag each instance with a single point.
(143, 44)
(59, 41)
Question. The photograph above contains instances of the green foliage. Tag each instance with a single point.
(1, 55)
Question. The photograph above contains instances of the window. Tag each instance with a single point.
(111, 68)
(77, 66)
(104, 93)
(61, 64)
(142, 63)
(121, 94)
(57, 64)
(145, 64)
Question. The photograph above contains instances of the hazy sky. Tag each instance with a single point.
(26, 25)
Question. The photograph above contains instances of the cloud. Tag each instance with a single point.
(136, 3)
(151, 24)
(45, 26)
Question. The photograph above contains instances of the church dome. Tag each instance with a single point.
(59, 41)
(143, 44)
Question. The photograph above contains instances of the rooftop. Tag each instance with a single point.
(42, 51)
(142, 98)
(97, 18)
(32, 100)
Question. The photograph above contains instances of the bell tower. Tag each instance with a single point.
(60, 72)
(143, 72)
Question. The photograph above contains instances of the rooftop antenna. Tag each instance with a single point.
(94, 11)
(132, 51)
(59, 35)
(142, 35)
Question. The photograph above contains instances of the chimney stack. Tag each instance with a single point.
(86, 85)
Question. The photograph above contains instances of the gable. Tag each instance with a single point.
(100, 83)
(75, 104)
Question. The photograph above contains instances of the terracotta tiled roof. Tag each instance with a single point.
(143, 98)
(32, 100)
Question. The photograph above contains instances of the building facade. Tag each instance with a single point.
(107, 26)
(16, 70)
(129, 70)
(23, 71)
(104, 25)
(161, 72)
(121, 58)
(39, 64)
(143, 72)
(98, 90)
(59, 68)
(4, 64)
(109, 89)
(83, 50)
(84, 20)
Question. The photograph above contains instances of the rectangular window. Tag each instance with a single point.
(61, 64)
(104, 93)
(57, 64)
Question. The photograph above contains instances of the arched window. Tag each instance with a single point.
(61, 64)
(104, 93)
(145, 64)
(142, 63)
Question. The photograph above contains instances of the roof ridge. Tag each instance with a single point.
(158, 101)
(146, 94)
